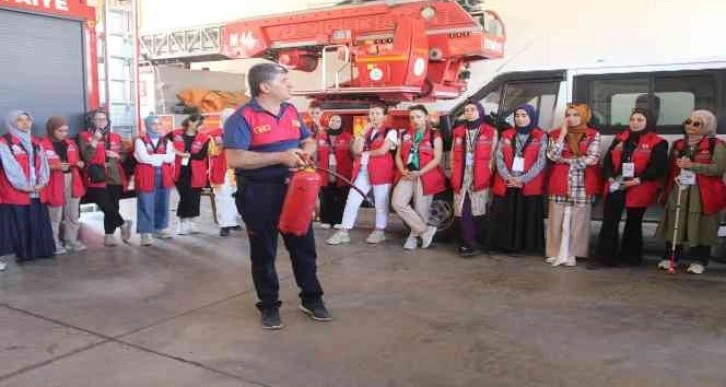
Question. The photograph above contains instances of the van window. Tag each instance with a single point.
(541, 95)
(612, 100)
(679, 96)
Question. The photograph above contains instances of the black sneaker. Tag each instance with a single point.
(468, 251)
(237, 228)
(317, 312)
(270, 318)
(224, 231)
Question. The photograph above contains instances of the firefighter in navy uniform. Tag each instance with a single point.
(263, 140)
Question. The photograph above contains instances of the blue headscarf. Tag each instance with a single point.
(149, 124)
(25, 137)
(533, 118)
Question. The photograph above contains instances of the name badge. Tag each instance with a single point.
(628, 170)
(185, 161)
(687, 177)
(364, 158)
(518, 165)
(469, 159)
(332, 161)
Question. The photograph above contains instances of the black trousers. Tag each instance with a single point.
(700, 254)
(260, 206)
(332, 204)
(108, 200)
(610, 249)
(189, 198)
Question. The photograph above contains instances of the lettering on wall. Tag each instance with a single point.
(55, 5)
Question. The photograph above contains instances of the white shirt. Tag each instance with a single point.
(156, 160)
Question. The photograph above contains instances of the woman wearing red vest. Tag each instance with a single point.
(334, 144)
(191, 171)
(418, 160)
(697, 164)
(154, 177)
(104, 177)
(472, 165)
(23, 181)
(518, 209)
(633, 166)
(222, 179)
(65, 187)
(574, 181)
(373, 169)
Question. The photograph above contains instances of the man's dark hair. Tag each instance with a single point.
(379, 106)
(420, 108)
(261, 73)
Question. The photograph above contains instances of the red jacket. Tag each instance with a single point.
(99, 158)
(558, 182)
(144, 173)
(645, 193)
(9, 194)
(56, 182)
(381, 169)
(531, 151)
(483, 153)
(198, 167)
(712, 188)
(433, 181)
(217, 163)
(343, 158)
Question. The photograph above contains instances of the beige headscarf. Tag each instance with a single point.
(708, 119)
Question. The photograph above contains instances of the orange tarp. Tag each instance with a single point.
(209, 101)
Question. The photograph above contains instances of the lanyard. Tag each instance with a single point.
(471, 140)
(520, 150)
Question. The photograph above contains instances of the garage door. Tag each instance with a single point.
(41, 68)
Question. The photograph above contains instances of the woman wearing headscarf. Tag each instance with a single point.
(65, 187)
(472, 166)
(334, 154)
(518, 209)
(575, 180)
(696, 166)
(633, 166)
(154, 177)
(191, 170)
(104, 177)
(22, 186)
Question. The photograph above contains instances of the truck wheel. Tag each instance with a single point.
(441, 215)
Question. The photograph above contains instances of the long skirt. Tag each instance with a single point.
(7, 231)
(34, 235)
(517, 223)
(332, 203)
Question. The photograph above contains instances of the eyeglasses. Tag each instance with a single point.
(694, 123)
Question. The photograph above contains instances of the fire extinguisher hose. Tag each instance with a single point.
(347, 181)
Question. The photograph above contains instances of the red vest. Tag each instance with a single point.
(646, 193)
(267, 130)
(712, 188)
(99, 158)
(9, 194)
(558, 182)
(433, 181)
(530, 153)
(483, 153)
(56, 183)
(144, 173)
(343, 158)
(218, 163)
(198, 167)
(381, 169)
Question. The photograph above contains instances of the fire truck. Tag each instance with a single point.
(66, 57)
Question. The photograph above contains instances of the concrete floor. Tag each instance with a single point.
(181, 313)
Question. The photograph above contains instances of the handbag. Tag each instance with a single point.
(96, 173)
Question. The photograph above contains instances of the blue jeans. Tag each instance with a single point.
(152, 208)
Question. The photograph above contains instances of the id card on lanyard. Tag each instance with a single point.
(471, 139)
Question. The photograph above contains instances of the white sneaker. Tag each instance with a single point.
(325, 226)
(146, 240)
(411, 243)
(664, 264)
(126, 231)
(192, 227)
(377, 236)
(181, 227)
(696, 268)
(427, 237)
(338, 226)
(60, 250)
(551, 260)
(110, 240)
(339, 238)
(163, 234)
(77, 246)
(569, 262)
(3, 265)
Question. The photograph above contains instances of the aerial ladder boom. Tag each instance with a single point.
(392, 50)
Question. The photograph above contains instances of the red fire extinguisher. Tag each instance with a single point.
(299, 204)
